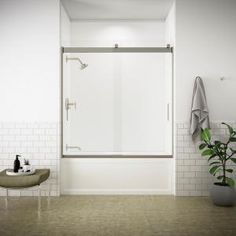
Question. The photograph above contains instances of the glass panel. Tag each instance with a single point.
(122, 102)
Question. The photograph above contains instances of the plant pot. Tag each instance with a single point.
(26, 168)
(223, 195)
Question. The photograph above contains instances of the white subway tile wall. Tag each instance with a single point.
(192, 176)
(38, 142)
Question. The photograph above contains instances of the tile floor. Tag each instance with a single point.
(116, 215)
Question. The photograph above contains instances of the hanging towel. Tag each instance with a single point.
(199, 110)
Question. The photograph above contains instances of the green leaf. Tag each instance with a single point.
(232, 150)
(223, 146)
(233, 159)
(217, 143)
(218, 170)
(205, 135)
(207, 152)
(213, 169)
(214, 162)
(202, 146)
(231, 131)
(212, 156)
(220, 177)
(232, 139)
(230, 181)
(229, 170)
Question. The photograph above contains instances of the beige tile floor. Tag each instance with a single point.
(117, 215)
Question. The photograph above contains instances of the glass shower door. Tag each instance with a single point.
(120, 104)
(89, 127)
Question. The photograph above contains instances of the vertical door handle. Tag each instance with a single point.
(168, 111)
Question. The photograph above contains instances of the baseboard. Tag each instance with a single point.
(116, 192)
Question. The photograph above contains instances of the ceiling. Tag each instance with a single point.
(117, 9)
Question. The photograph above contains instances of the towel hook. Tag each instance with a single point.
(198, 77)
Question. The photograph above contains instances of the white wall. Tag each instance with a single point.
(205, 46)
(111, 175)
(170, 26)
(125, 33)
(29, 60)
(29, 90)
(29, 86)
(65, 29)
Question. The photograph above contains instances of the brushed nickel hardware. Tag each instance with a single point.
(116, 50)
(72, 147)
(82, 65)
(68, 106)
(168, 111)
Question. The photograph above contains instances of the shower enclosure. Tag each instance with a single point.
(117, 101)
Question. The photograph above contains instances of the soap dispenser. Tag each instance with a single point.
(16, 164)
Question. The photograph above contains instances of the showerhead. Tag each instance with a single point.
(82, 65)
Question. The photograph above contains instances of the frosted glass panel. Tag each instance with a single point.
(123, 104)
(143, 103)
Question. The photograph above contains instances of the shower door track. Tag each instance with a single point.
(115, 49)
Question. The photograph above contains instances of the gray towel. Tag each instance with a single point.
(199, 110)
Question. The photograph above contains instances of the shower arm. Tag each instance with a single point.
(74, 59)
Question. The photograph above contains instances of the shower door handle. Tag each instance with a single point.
(168, 111)
(68, 106)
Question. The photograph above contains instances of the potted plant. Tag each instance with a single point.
(219, 153)
(26, 166)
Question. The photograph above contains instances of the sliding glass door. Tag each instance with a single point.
(117, 104)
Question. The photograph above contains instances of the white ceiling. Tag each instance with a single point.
(117, 9)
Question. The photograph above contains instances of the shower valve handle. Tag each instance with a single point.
(68, 106)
